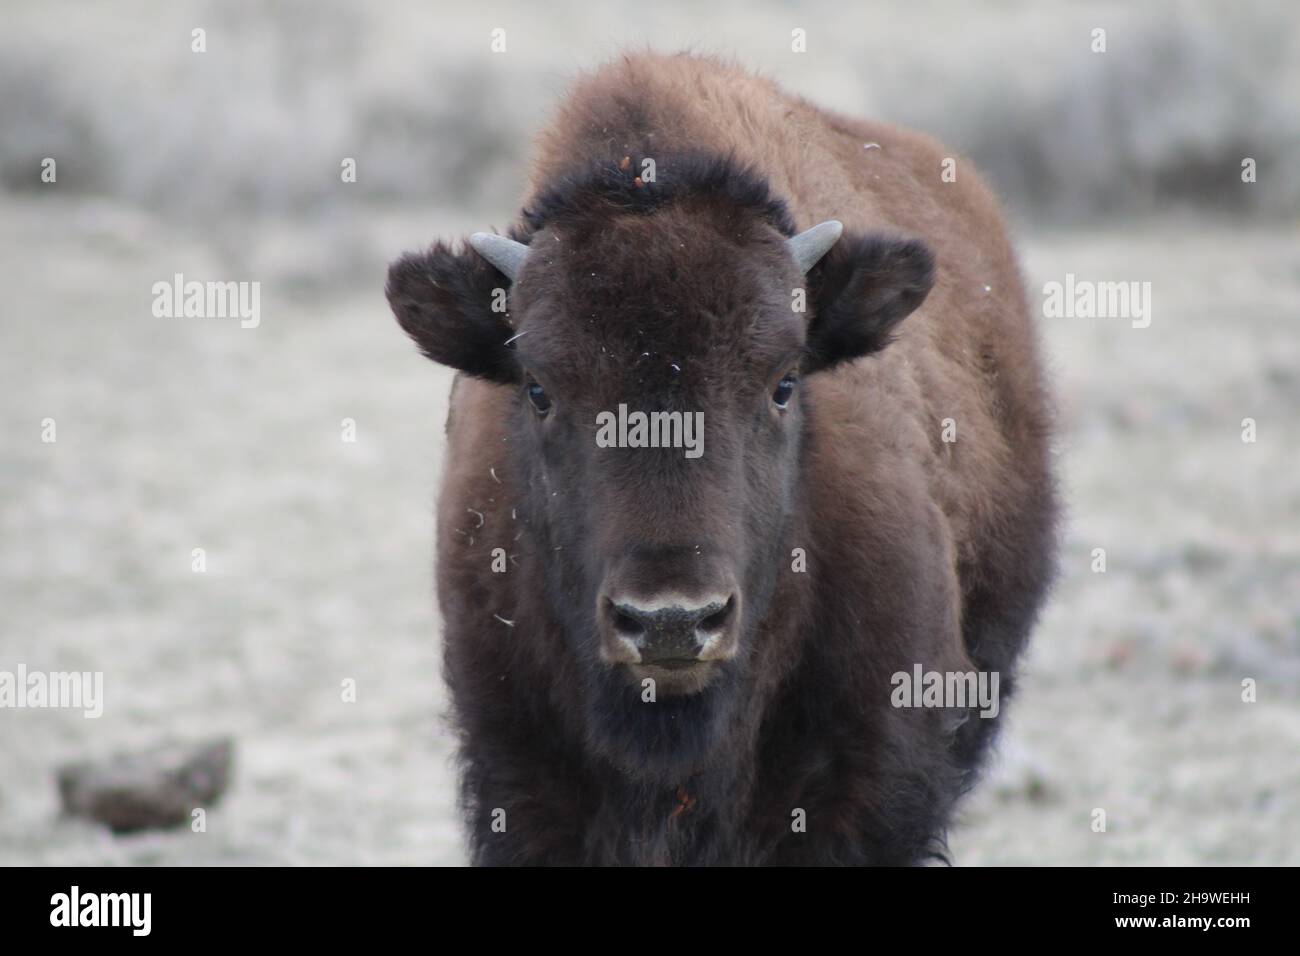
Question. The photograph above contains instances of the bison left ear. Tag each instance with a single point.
(451, 304)
(860, 291)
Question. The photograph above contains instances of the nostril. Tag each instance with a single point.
(718, 619)
(626, 625)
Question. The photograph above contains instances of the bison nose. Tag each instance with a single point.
(671, 633)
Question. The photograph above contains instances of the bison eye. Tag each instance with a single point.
(537, 395)
(784, 390)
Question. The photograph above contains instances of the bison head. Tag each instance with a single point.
(657, 337)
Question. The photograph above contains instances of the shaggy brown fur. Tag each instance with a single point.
(676, 294)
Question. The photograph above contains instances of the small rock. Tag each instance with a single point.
(152, 789)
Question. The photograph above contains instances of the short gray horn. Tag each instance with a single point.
(811, 244)
(506, 254)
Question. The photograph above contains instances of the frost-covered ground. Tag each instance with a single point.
(1133, 697)
(182, 433)
(176, 434)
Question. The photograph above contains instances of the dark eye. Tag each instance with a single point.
(537, 395)
(784, 390)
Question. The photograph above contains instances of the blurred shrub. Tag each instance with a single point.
(262, 120)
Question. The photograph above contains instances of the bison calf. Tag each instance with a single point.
(663, 658)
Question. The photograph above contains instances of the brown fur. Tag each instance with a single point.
(918, 550)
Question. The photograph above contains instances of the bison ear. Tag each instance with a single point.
(860, 291)
(444, 301)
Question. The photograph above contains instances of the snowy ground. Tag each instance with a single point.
(174, 434)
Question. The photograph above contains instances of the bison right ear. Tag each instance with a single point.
(454, 306)
(860, 291)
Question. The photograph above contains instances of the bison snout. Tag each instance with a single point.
(670, 631)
